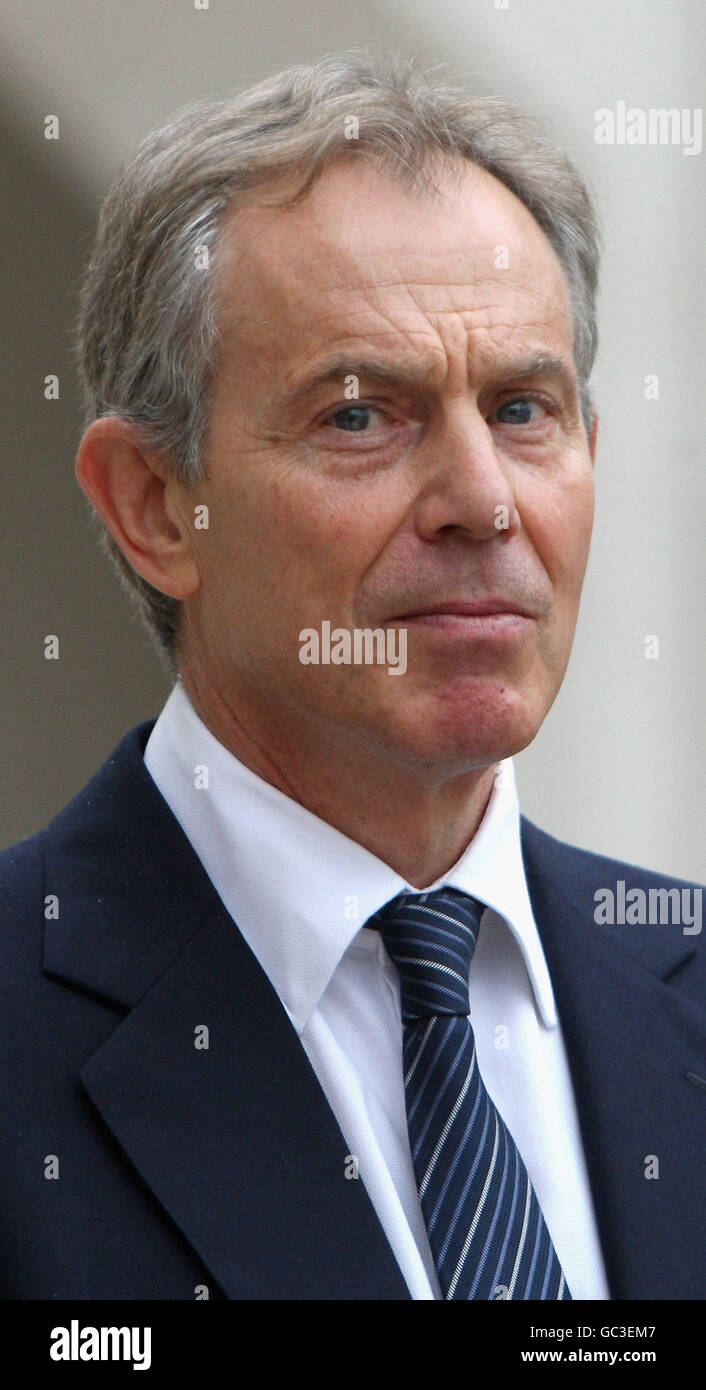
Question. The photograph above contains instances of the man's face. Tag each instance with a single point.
(460, 477)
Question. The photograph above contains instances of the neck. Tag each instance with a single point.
(417, 822)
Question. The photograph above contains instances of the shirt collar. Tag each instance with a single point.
(299, 889)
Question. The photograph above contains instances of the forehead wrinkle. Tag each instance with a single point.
(368, 293)
(410, 318)
(290, 284)
(290, 275)
(407, 330)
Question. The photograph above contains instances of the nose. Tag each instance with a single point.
(465, 485)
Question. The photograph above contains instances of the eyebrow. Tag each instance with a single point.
(416, 374)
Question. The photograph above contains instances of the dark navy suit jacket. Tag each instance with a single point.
(181, 1167)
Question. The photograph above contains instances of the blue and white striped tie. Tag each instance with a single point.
(487, 1233)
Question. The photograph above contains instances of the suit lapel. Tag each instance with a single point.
(236, 1140)
(632, 1036)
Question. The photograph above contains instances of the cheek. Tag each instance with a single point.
(292, 542)
(330, 534)
(559, 526)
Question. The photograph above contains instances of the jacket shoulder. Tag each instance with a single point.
(655, 917)
(575, 867)
(21, 876)
(71, 830)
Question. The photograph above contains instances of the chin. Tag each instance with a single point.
(469, 729)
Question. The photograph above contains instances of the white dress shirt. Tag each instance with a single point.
(301, 893)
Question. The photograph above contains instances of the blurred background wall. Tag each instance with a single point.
(619, 765)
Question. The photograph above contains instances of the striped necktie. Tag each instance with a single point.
(487, 1233)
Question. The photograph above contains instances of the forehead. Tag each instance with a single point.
(364, 258)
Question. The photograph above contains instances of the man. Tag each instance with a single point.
(298, 1005)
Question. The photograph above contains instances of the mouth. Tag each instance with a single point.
(484, 608)
(499, 618)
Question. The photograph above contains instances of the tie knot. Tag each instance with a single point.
(431, 938)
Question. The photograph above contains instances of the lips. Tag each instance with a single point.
(482, 608)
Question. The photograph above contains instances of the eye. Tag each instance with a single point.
(519, 411)
(354, 419)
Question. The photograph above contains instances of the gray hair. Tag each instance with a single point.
(147, 331)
